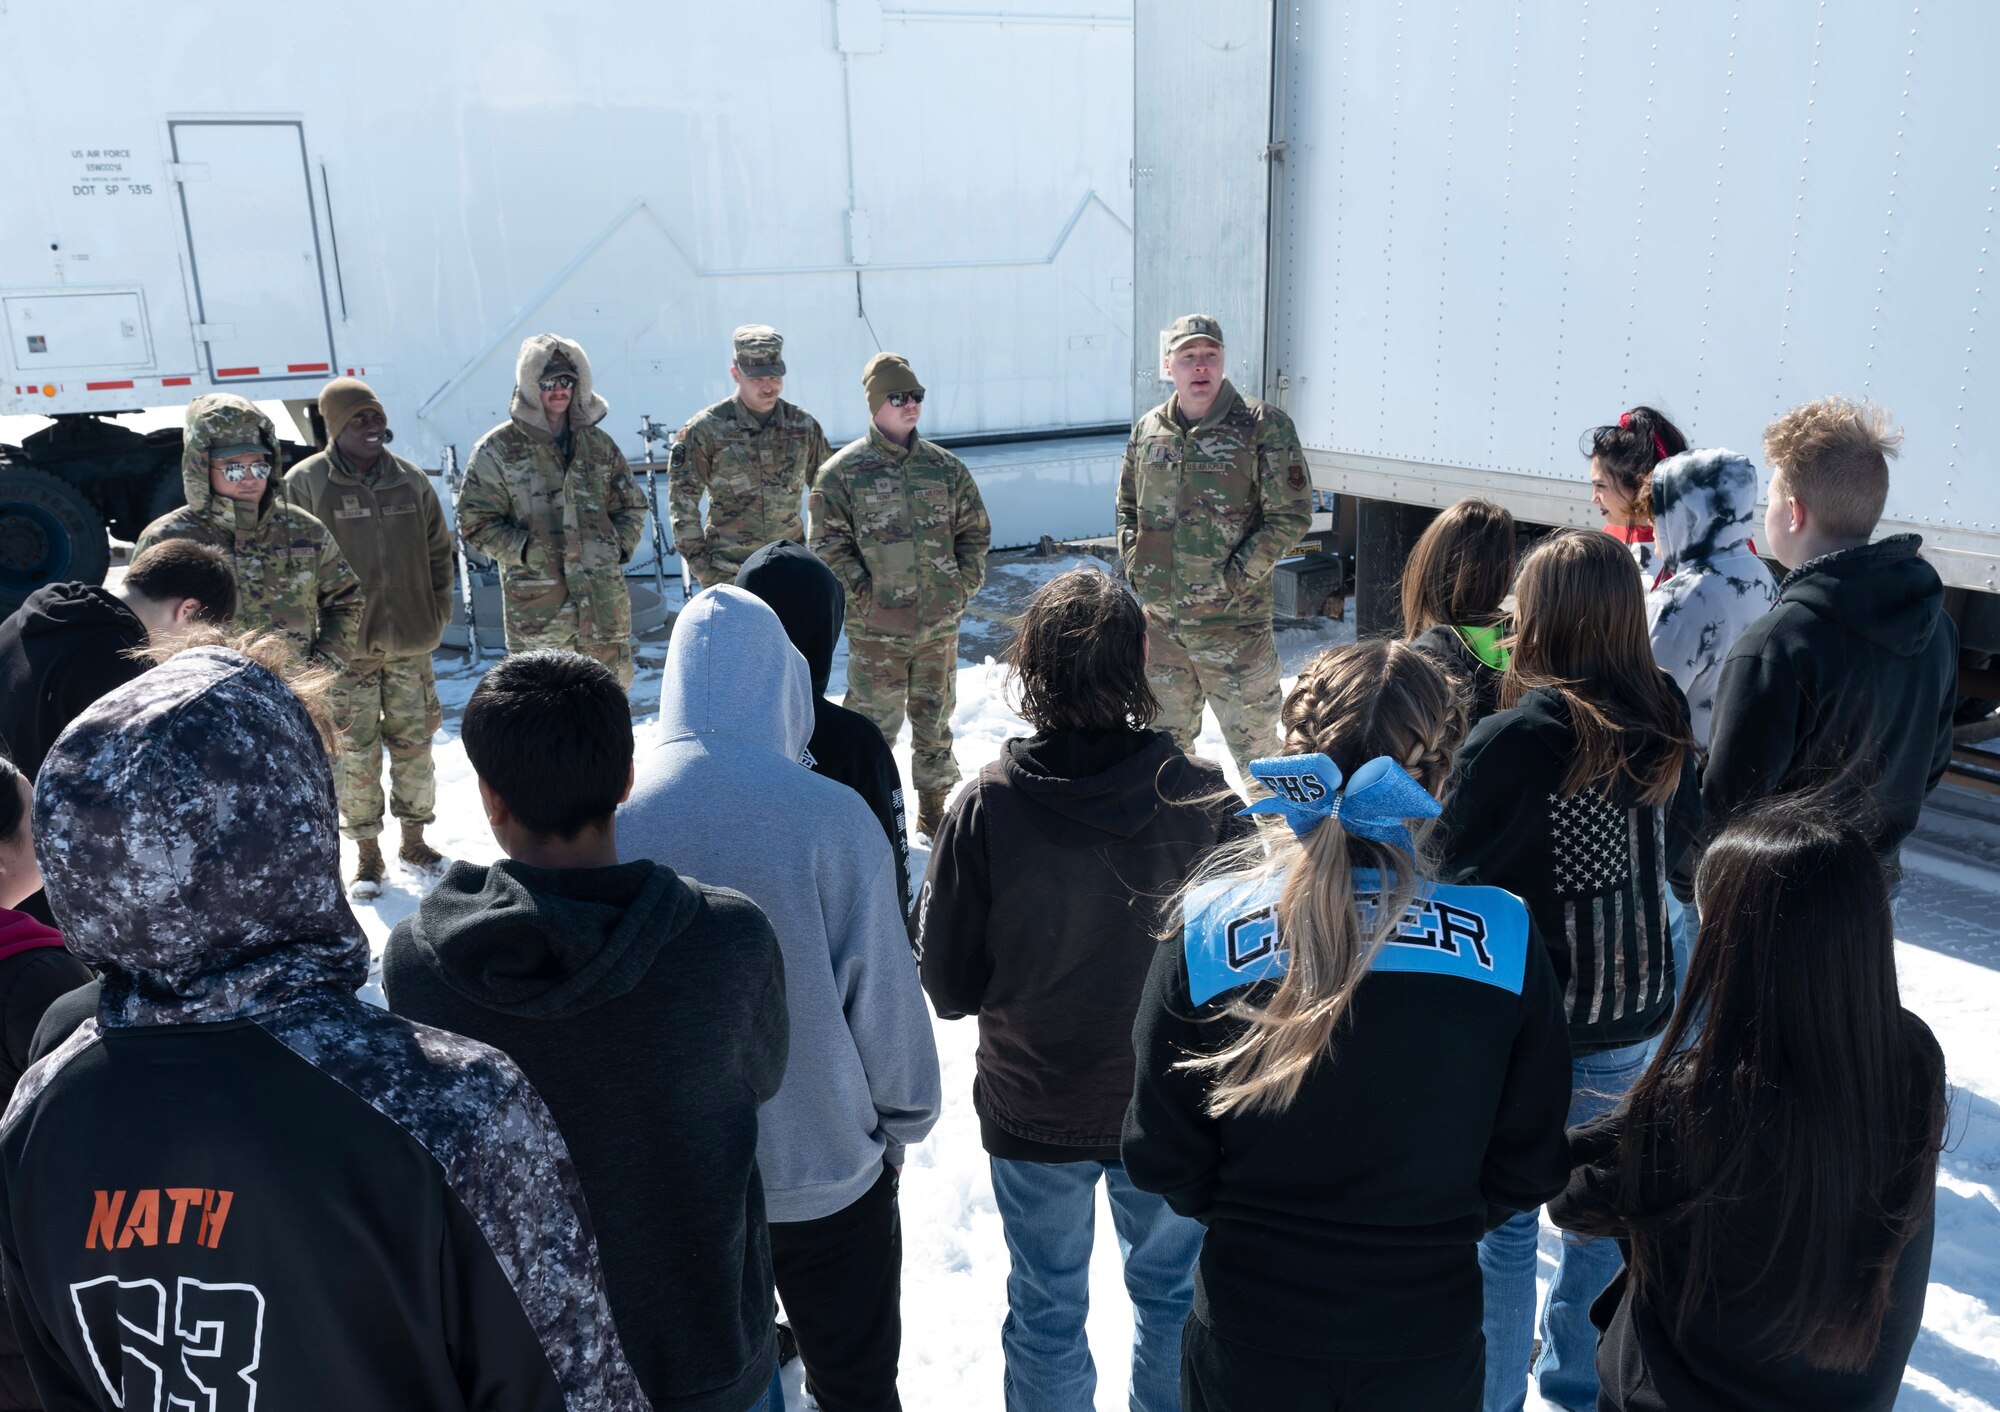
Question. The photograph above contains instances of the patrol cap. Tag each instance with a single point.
(760, 351)
(1189, 327)
(242, 448)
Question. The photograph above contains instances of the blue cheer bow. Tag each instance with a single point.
(1377, 802)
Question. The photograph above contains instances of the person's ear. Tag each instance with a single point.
(498, 815)
(1797, 513)
(186, 611)
(631, 778)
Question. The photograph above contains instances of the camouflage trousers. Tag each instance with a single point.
(388, 701)
(1233, 669)
(560, 633)
(888, 676)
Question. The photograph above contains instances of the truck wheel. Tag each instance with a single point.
(48, 533)
(168, 494)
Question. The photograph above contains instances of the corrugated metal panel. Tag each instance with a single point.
(1202, 96)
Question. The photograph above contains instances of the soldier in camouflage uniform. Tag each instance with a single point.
(291, 578)
(900, 521)
(548, 497)
(388, 522)
(1212, 493)
(754, 454)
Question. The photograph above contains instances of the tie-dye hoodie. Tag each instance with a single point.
(1704, 503)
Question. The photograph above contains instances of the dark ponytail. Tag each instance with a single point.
(1629, 449)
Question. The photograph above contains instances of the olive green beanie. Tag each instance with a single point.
(887, 373)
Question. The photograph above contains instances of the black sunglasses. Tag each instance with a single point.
(903, 399)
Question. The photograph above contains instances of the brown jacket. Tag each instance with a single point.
(391, 529)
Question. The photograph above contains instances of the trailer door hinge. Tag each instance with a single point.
(1273, 152)
(188, 171)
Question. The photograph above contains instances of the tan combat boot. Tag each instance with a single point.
(368, 869)
(418, 854)
(930, 810)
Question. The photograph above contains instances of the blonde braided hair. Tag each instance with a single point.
(1354, 703)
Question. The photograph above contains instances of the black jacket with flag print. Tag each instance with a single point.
(237, 1185)
(1593, 870)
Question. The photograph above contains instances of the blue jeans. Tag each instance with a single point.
(1048, 1211)
(1566, 1370)
(773, 1399)
(1682, 925)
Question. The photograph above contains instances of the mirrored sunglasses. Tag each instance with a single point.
(906, 399)
(246, 470)
(562, 380)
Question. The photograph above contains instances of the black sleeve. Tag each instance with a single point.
(63, 1016)
(1170, 1145)
(45, 975)
(1591, 1193)
(1753, 734)
(953, 912)
(1479, 831)
(61, 1386)
(771, 1026)
(1526, 1160)
(1684, 828)
(495, 1352)
(885, 796)
(1942, 743)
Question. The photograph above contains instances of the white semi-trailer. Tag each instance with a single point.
(232, 196)
(1449, 238)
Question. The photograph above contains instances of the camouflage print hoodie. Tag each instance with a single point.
(238, 1172)
(1713, 585)
(560, 528)
(290, 576)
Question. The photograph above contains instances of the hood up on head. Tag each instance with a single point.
(807, 597)
(731, 671)
(586, 408)
(189, 841)
(1704, 506)
(224, 419)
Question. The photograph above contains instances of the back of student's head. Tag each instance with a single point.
(1354, 704)
(551, 734)
(1628, 449)
(177, 569)
(1461, 568)
(1079, 659)
(1580, 628)
(1833, 455)
(1790, 1064)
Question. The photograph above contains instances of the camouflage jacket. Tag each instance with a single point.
(560, 533)
(1204, 514)
(391, 529)
(905, 531)
(755, 475)
(291, 577)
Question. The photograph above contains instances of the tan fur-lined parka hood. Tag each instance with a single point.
(586, 409)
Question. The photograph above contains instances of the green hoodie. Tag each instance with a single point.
(290, 576)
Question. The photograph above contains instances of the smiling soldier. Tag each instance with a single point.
(390, 526)
(1213, 492)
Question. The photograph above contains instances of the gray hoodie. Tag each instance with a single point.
(1714, 585)
(721, 796)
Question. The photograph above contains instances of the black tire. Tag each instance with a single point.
(167, 494)
(49, 533)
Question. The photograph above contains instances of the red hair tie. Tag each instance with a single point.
(1659, 442)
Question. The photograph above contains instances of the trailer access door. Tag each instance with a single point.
(261, 307)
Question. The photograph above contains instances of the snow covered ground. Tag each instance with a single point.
(955, 1261)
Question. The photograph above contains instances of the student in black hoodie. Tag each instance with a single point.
(1579, 799)
(647, 1010)
(1039, 915)
(1849, 683)
(1347, 1071)
(236, 1174)
(70, 643)
(1454, 585)
(1772, 1177)
(846, 746)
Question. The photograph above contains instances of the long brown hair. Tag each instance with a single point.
(1354, 703)
(1580, 629)
(1461, 569)
(1079, 659)
(1790, 1071)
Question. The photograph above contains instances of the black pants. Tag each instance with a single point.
(1220, 1376)
(841, 1278)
